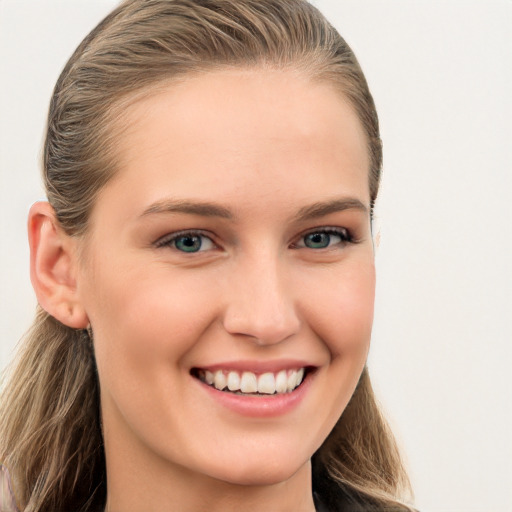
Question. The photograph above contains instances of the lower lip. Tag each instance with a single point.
(260, 406)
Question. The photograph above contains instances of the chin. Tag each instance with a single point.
(261, 473)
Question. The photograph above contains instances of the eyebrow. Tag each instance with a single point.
(205, 209)
(190, 207)
(322, 209)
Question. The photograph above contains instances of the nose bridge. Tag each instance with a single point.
(261, 300)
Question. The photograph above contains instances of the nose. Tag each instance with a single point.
(261, 304)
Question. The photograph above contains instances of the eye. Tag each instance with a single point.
(325, 238)
(188, 242)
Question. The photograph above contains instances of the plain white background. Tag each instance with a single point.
(441, 359)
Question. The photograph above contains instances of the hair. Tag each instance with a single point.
(50, 427)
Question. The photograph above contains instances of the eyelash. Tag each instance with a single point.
(344, 234)
(171, 239)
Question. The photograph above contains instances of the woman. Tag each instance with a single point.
(205, 273)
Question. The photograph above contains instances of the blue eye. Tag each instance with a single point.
(324, 238)
(317, 240)
(187, 242)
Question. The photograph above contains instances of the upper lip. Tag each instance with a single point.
(272, 366)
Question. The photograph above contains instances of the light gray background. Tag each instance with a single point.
(441, 358)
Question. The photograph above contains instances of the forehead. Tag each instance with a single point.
(219, 131)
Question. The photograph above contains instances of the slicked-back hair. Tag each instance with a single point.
(50, 430)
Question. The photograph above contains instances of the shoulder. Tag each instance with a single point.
(334, 497)
(7, 502)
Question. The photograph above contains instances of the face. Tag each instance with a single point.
(229, 275)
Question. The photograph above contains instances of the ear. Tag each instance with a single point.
(53, 266)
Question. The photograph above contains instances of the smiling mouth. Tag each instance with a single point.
(252, 384)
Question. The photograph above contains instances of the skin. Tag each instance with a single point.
(264, 146)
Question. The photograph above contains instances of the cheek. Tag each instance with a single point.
(341, 311)
(341, 315)
(147, 320)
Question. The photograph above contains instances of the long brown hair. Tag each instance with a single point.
(50, 432)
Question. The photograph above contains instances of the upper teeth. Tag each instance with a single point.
(248, 382)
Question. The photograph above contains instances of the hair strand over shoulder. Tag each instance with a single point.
(50, 428)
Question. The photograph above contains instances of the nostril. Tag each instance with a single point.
(264, 328)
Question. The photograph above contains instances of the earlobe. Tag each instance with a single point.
(53, 267)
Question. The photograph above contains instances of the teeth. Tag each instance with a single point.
(267, 384)
(233, 381)
(284, 381)
(292, 381)
(220, 380)
(249, 383)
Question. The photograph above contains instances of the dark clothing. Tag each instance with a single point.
(331, 496)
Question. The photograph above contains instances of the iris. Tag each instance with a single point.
(188, 243)
(317, 240)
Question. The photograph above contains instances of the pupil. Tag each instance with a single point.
(317, 240)
(188, 243)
